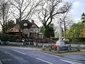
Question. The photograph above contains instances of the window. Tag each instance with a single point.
(25, 24)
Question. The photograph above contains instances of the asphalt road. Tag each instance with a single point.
(27, 55)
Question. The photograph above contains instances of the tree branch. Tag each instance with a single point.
(26, 6)
(14, 5)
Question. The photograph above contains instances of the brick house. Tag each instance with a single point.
(29, 30)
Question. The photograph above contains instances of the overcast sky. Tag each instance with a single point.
(78, 7)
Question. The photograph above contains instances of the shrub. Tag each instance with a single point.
(6, 37)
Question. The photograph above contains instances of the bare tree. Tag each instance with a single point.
(66, 22)
(4, 10)
(50, 9)
(24, 9)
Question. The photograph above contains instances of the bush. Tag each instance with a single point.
(6, 37)
(49, 32)
(13, 38)
(78, 41)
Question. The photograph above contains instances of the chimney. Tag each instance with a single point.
(17, 21)
(32, 21)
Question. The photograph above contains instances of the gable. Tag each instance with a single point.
(14, 29)
(34, 25)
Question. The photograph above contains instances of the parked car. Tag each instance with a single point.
(5, 42)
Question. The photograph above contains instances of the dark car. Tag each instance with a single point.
(5, 42)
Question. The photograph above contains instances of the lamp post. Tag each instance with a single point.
(60, 42)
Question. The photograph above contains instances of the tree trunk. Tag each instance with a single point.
(64, 30)
(20, 34)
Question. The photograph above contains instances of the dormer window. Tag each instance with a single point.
(25, 24)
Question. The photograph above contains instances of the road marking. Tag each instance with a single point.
(19, 52)
(66, 60)
(51, 55)
(70, 61)
(44, 61)
(14, 56)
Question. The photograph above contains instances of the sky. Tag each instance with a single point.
(78, 7)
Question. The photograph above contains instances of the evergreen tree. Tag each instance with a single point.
(47, 31)
(83, 17)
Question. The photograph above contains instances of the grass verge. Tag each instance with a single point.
(62, 53)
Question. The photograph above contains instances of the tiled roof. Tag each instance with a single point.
(34, 25)
(14, 29)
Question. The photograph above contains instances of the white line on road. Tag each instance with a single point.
(70, 62)
(44, 61)
(14, 56)
(51, 55)
(36, 58)
(19, 52)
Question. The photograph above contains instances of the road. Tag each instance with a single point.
(27, 55)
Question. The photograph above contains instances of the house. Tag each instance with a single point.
(29, 30)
